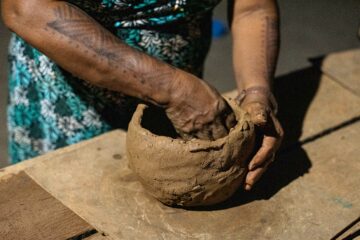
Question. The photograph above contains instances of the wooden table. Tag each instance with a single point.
(86, 191)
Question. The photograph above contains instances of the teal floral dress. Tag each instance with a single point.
(49, 108)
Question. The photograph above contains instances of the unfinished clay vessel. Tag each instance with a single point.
(188, 173)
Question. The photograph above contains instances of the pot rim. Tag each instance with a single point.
(137, 122)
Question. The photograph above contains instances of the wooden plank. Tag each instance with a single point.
(311, 103)
(98, 236)
(351, 231)
(29, 212)
(344, 67)
(325, 197)
(16, 168)
(94, 181)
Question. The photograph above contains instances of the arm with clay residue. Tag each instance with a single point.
(255, 31)
(83, 47)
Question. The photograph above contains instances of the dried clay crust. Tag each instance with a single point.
(190, 173)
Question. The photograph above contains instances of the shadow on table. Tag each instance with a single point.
(294, 92)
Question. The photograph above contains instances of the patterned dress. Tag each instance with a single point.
(49, 108)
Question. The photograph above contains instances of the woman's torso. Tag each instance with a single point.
(49, 108)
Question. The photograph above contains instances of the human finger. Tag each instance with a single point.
(266, 151)
(258, 113)
(253, 176)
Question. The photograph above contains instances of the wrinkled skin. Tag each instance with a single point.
(195, 108)
(272, 134)
(213, 119)
(199, 111)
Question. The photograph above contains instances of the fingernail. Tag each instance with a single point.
(245, 126)
(251, 167)
(247, 187)
(261, 116)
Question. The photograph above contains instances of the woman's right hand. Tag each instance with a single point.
(198, 110)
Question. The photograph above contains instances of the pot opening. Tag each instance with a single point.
(155, 120)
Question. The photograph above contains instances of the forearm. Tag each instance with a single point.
(255, 31)
(83, 47)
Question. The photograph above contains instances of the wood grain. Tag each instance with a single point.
(28, 212)
(344, 68)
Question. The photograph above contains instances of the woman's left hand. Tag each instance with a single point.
(272, 134)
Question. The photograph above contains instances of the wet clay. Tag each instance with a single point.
(188, 173)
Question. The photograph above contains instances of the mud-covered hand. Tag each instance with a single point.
(198, 110)
(260, 104)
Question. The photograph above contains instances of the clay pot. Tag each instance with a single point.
(188, 173)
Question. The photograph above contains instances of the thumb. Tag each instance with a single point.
(258, 113)
(259, 117)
